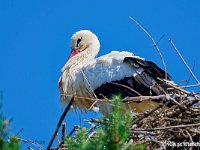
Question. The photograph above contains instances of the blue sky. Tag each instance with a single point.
(34, 45)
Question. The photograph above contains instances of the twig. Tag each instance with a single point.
(87, 98)
(191, 140)
(92, 129)
(73, 130)
(144, 98)
(181, 82)
(154, 44)
(40, 147)
(190, 86)
(190, 137)
(93, 104)
(84, 76)
(168, 127)
(160, 39)
(194, 131)
(97, 120)
(60, 122)
(58, 138)
(191, 74)
(19, 131)
(170, 40)
(180, 119)
(127, 87)
(177, 103)
(146, 114)
(143, 132)
(63, 132)
(91, 135)
(175, 87)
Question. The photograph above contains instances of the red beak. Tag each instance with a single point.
(73, 53)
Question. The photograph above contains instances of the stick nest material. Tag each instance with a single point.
(160, 128)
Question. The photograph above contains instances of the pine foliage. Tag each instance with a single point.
(7, 144)
(110, 135)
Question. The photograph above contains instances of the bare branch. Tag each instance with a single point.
(93, 104)
(40, 147)
(170, 40)
(169, 127)
(190, 86)
(143, 98)
(154, 44)
(88, 98)
(127, 87)
(73, 130)
(160, 39)
(63, 132)
(146, 114)
(88, 83)
(60, 122)
(143, 132)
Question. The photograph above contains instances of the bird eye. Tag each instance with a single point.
(78, 41)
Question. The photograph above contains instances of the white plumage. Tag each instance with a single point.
(109, 68)
(83, 75)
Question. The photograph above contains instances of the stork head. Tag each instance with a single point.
(84, 41)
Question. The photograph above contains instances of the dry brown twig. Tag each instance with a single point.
(40, 147)
(29, 148)
(154, 44)
(97, 120)
(88, 83)
(73, 130)
(60, 122)
(173, 45)
(63, 132)
(124, 86)
(143, 98)
(169, 127)
(190, 86)
(87, 98)
(146, 114)
(91, 107)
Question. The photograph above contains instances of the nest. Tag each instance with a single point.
(177, 126)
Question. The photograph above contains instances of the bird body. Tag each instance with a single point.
(87, 77)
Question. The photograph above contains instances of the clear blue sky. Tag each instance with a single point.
(34, 45)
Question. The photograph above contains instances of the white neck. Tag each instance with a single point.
(80, 59)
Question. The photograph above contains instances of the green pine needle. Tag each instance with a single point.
(112, 135)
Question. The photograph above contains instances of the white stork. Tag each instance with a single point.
(87, 77)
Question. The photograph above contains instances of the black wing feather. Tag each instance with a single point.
(145, 83)
(149, 66)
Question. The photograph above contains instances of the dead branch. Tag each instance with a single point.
(97, 120)
(175, 87)
(88, 83)
(40, 147)
(146, 114)
(154, 44)
(88, 98)
(190, 86)
(93, 104)
(169, 127)
(63, 132)
(170, 40)
(73, 130)
(60, 122)
(143, 98)
(124, 86)
(143, 132)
